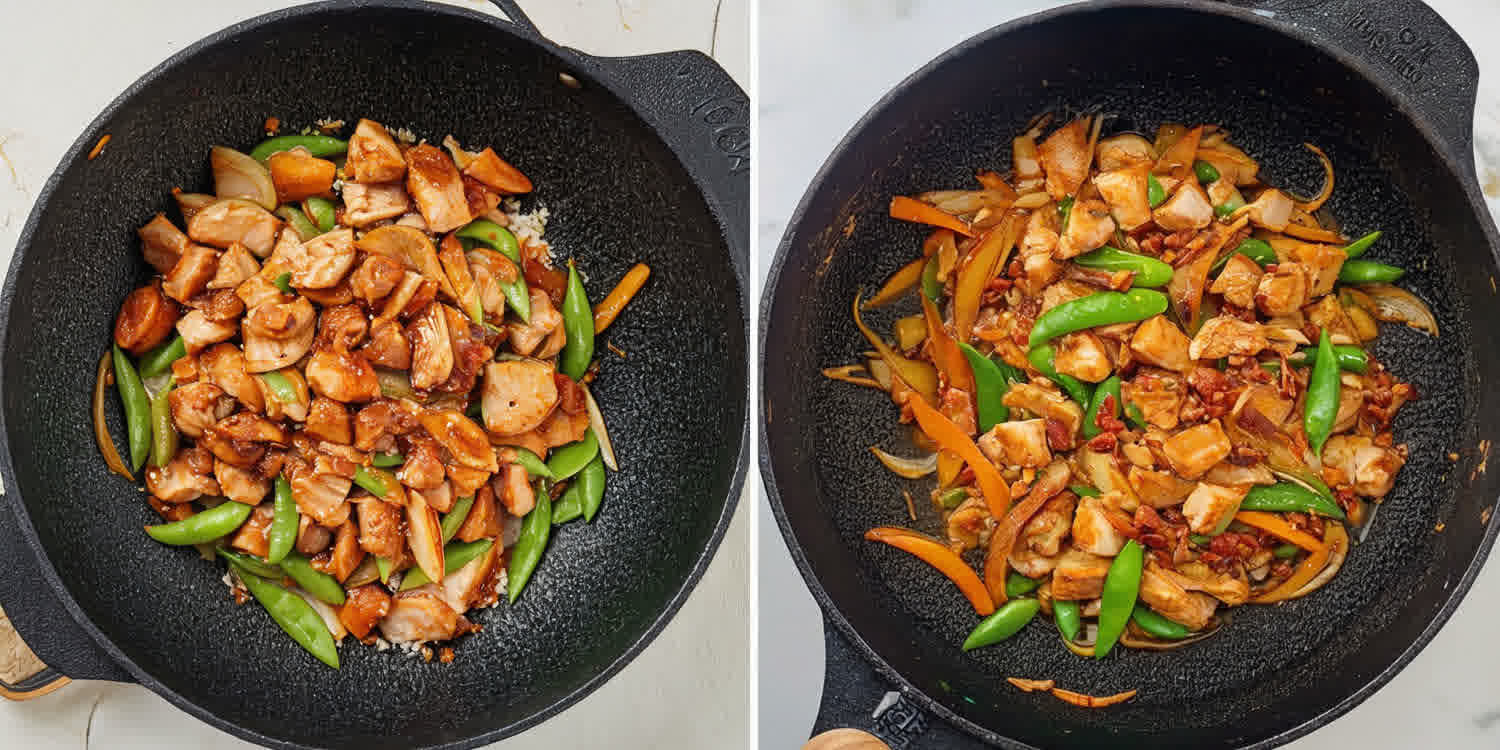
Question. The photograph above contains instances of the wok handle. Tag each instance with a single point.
(517, 16)
(1408, 47)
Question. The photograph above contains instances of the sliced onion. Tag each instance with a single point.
(851, 374)
(880, 371)
(1396, 305)
(596, 422)
(1032, 200)
(911, 468)
(1317, 201)
(1131, 640)
(238, 175)
(461, 158)
(329, 615)
(191, 203)
(394, 384)
(112, 457)
(1336, 561)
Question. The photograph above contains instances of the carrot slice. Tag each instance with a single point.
(911, 209)
(1334, 539)
(1030, 685)
(609, 308)
(946, 434)
(1278, 527)
(898, 284)
(1090, 701)
(938, 555)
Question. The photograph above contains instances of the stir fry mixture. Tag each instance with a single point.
(356, 384)
(1145, 381)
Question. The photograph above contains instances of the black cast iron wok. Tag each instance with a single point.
(646, 160)
(1387, 89)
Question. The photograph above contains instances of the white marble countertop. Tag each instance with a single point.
(821, 66)
(690, 687)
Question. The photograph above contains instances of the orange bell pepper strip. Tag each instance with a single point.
(1083, 700)
(911, 209)
(938, 555)
(945, 352)
(1335, 538)
(1003, 538)
(991, 180)
(948, 466)
(898, 284)
(948, 436)
(977, 269)
(1274, 525)
(609, 308)
(918, 376)
(1312, 234)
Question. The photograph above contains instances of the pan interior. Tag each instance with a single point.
(1272, 669)
(675, 408)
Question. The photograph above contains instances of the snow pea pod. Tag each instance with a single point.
(285, 392)
(1069, 618)
(532, 463)
(571, 458)
(1064, 213)
(387, 460)
(1110, 389)
(1004, 623)
(952, 498)
(1286, 551)
(1157, 626)
(321, 211)
(253, 565)
(569, 506)
(321, 146)
(163, 430)
(486, 232)
(1017, 585)
(455, 556)
(374, 481)
(284, 524)
(312, 580)
(1359, 246)
(201, 527)
(989, 388)
(590, 484)
(137, 408)
(1205, 172)
(1285, 497)
(455, 517)
(930, 284)
(1155, 193)
(1322, 402)
(156, 361)
(535, 530)
(1083, 490)
(1041, 359)
(294, 615)
(1148, 271)
(1228, 207)
(1369, 272)
(1098, 309)
(1121, 585)
(1349, 357)
(578, 324)
(299, 222)
(1255, 249)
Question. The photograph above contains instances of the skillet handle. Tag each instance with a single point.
(1407, 47)
(517, 16)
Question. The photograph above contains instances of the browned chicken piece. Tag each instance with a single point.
(1327, 312)
(329, 420)
(324, 261)
(373, 155)
(278, 409)
(1065, 158)
(969, 525)
(409, 296)
(437, 188)
(1082, 355)
(241, 485)
(463, 588)
(1210, 507)
(380, 527)
(490, 270)
(277, 334)
(513, 490)
(1266, 401)
(197, 406)
(1158, 394)
(1370, 468)
(1283, 291)
(1351, 403)
(258, 290)
(482, 200)
(253, 536)
(376, 277)
(363, 607)
(185, 478)
(240, 439)
(1066, 290)
(419, 615)
(1271, 209)
(342, 376)
(470, 352)
(145, 320)
(1230, 586)
(1036, 247)
(1224, 335)
(236, 265)
(466, 480)
(232, 220)
(1159, 342)
(1122, 151)
(424, 536)
(1047, 404)
(162, 242)
(323, 496)
(388, 346)
(311, 538)
(518, 395)
(1044, 532)
(431, 348)
(1125, 190)
(1324, 262)
(559, 429)
(1092, 531)
(1079, 576)
(1158, 489)
(1089, 226)
(423, 468)
(1238, 281)
(376, 424)
(1017, 443)
(1223, 191)
(1226, 473)
(1188, 208)
(483, 520)
(1196, 449)
(1172, 601)
(345, 555)
(199, 332)
(224, 366)
(456, 266)
(525, 338)
(341, 328)
(465, 441)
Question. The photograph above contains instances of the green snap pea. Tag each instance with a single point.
(533, 464)
(1082, 490)
(1359, 246)
(1228, 207)
(1109, 388)
(1121, 584)
(1041, 358)
(387, 460)
(578, 323)
(1255, 249)
(295, 616)
(455, 517)
(1205, 172)
(281, 386)
(1069, 618)
(486, 232)
(158, 360)
(299, 222)
(283, 282)
(569, 506)
(322, 213)
(163, 430)
(137, 408)
(953, 498)
(1064, 212)
(1350, 358)
(1200, 539)
(1290, 497)
(1017, 585)
(1098, 309)
(1286, 551)
(1369, 272)
(1322, 402)
(571, 458)
(252, 565)
(1148, 271)
(321, 146)
(1004, 623)
(455, 556)
(204, 526)
(1155, 193)
(374, 481)
(989, 388)
(321, 585)
(383, 566)
(1135, 416)
(590, 484)
(1157, 626)
(284, 524)
(930, 284)
(535, 529)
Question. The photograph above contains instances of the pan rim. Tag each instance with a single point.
(831, 613)
(582, 65)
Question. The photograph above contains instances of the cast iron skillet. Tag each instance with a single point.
(645, 161)
(1391, 101)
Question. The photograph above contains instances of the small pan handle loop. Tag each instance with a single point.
(513, 11)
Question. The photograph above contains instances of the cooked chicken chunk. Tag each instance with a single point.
(277, 334)
(363, 607)
(437, 188)
(1045, 403)
(199, 332)
(185, 478)
(241, 485)
(342, 376)
(376, 277)
(545, 321)
(1271, 209)
(419, 615)
(1188, 208)
(431, 348)
(1123, 151)
(1369, 467)
(232, 220)
(1210, 507)
(1223, 335)
(1238, 281)
(253, 536)
(323, 496)
(325, 260)
(1172, 601)
(1065, 158)
(1158, 489)
(195, 268)
(1089, 226)
(1082, 355)
(373, 154)
(1017, 443)
(1323, 262)
(1283, 291)
(197, 406)
(236, 265)
(1092, 531)
(366, 204)
(1158, 394)
(1159, 342)
(224, 366)
(1079, 576)
(162, 243)
(1196, 449)
(518, 395)
(1125, 190)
